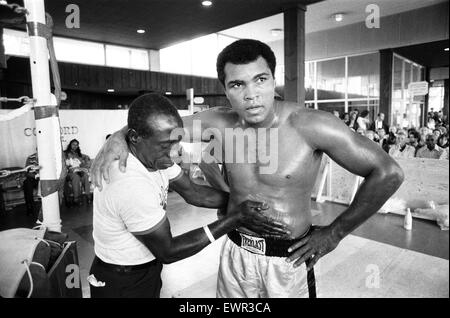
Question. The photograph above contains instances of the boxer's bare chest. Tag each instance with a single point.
(277, 158)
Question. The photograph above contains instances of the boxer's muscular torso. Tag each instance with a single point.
(287, 187)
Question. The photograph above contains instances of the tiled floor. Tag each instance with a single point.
(379, 259)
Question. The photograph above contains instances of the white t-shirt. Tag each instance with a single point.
(133, 201)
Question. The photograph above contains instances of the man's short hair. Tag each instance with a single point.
(150, 105)
(243, 52)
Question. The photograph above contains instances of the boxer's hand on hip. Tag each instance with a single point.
(316, 244)
(252, 217)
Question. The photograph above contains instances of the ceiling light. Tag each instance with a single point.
(206, 3)
(338, 17)
(110, 90)
(140, 31)
(276, 32)
(446, 49)
(168, 93)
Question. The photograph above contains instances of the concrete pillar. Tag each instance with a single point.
(294, 53)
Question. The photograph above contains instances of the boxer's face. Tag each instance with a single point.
(250, 88)
(161, 147)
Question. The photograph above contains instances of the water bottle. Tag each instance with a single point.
(407, 224)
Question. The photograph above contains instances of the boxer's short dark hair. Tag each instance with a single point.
(150, 105)
(243, 52)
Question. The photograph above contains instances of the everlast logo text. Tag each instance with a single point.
(253, 244)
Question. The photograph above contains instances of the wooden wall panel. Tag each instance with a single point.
(86, 85)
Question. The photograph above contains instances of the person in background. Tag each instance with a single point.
(414, 138)
(31, 183)
(363, 120)
(443, 144)
(346, 118)
(379, 124)
(401, 149)
(78, 165)
(391, 140)
(371, 135)
(382, 137)
(437, 133)
(353, 122)
(430, 150)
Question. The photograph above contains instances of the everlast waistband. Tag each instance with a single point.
(262, 245)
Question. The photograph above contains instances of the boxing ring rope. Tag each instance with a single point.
(45, 106)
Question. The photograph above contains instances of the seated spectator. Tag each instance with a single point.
(430, 150)
(78, 171)
(370, 134)
(401, 149)
(390, 142)
(437, 133)
(423, 133)
(382, 137)
(336, 113)
(346, 118)
(393, 130)
(443, 130)
(413, 137)
(361, 131)
(443, 145)
(31, 183)
(353, 122)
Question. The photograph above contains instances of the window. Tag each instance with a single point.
(363, 76)
(406, 112)
(75, 51)
(82, 52)
(118, 56)
(331, 79)
(344, 83)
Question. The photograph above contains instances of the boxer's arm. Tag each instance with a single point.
(170, 249)
(359, 155)
(195, 125)
(199, 195)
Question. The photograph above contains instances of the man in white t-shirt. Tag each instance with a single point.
(132, 237)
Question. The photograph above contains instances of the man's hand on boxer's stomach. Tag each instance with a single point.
(115, 148)
(251, 214)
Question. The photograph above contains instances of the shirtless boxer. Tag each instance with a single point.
(256, 266)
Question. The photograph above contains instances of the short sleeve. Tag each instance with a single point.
(140, 206)
(173, 172)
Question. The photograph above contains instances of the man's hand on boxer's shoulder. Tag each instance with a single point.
(115, 148)
(319, 242)
(251, 215)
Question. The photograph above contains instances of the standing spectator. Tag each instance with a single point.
(431, 124)
(401, 149)
(363, 120)
(430, 150)
(405, 122)
(78, 171)
(379, 124)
